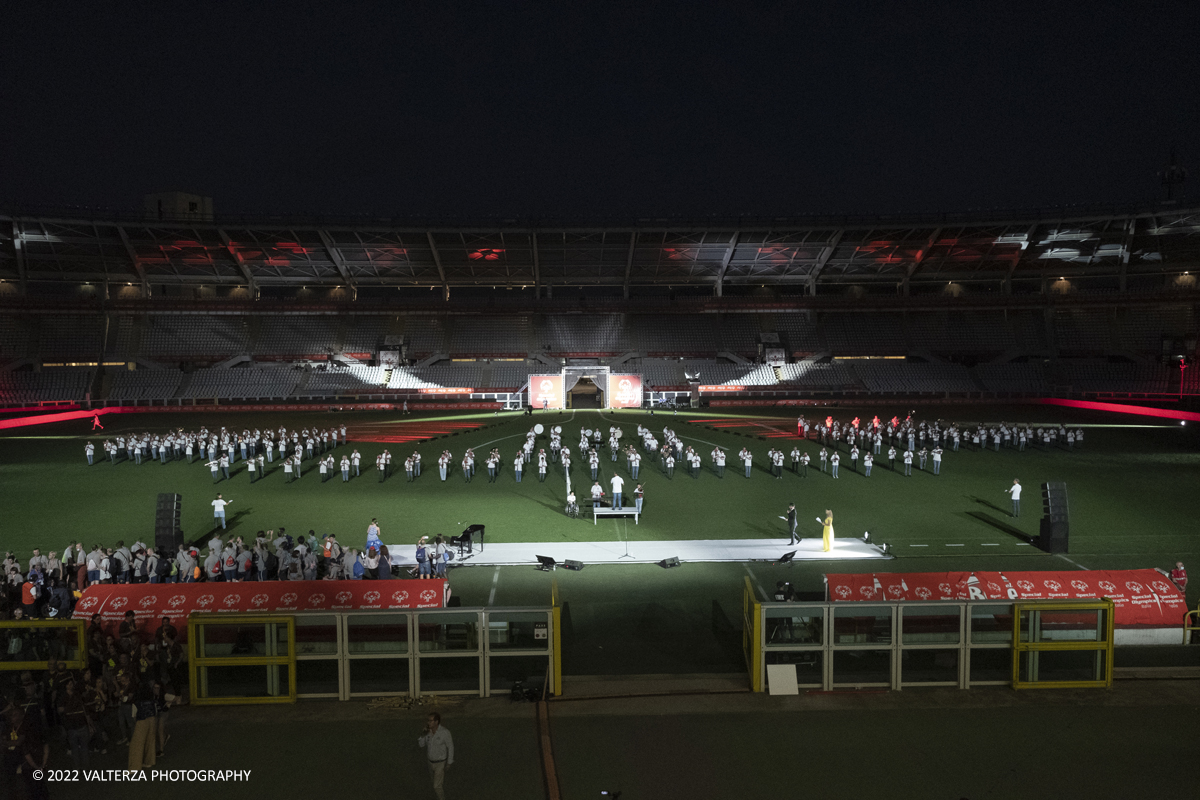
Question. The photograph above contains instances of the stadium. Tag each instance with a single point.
(722, 335)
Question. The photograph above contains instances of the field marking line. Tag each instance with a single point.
(757, 585)
(495, 579)
(918, 545)
(956, 545)
(989, 544)
(1069, 561)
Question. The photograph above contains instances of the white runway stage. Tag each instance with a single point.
(649, 552)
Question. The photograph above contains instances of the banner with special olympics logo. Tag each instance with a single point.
(1141, 597)
(624, 391)
(546, 391)
(150, 602)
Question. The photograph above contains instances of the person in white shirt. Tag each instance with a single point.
(518, 465)
(747, 460)
(439, 750)
(937, 460)
(834, 461)
(617, 484)
(1014, 492)
(219, 510)
(89, 450)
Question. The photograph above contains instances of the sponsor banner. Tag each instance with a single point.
(547, 390)
(723, 388)
(1141, 597)
(445, 390)
(624, 391)
(150, 602)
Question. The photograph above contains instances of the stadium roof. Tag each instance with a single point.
(803, 252)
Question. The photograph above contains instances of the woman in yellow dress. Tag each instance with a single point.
(827, 532)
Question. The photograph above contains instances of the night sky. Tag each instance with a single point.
(574, 109)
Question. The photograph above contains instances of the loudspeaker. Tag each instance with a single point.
(167, 533)
(667, 563)
(1054, 500)
(1054, 535)
(1055, 529)
(575, 565)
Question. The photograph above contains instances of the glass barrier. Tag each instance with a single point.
(447, 631)
(927, 666)
(792, 625)
(450, 674)
(1068, 666)
(930, 625)
(991, 624)
(991, 665)
(229, 640)
(30, 645)
(506, 671)
(378, 675)
(855, 624)
(862, 667)
(317, 677)
(809, 664)
(1070, 626)
(316, 634)
(518, 630)
(377, 633)
(245, 682)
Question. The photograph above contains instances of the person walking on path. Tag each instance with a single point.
(439, 750)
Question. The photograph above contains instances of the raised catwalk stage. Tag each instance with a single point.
(650, 552)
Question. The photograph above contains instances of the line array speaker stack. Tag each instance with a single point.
(167, 533)
(1055, 527)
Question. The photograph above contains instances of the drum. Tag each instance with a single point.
(538, 429)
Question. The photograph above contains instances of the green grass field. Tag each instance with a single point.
(1133, 488)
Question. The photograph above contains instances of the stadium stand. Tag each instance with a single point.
(54, 384)
(71, 337)
(865, 334)
(365, 334)
(424, 336)
(513, 374)
(194, 337)
(799, 334)
(675, 335)
(144, 384)
(296, 336)
(585, 333)
(1012, 378)
(15, 336)
(901, 378)
(660, 373)
(820, 377)
(247, 383)
(491, 336)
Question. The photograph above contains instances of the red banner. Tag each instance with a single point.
(1141, 597)
(153, 601)
(624, 391)
(723, 388)
(547, 389)
(445, 390)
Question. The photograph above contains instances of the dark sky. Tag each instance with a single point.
(686, 108)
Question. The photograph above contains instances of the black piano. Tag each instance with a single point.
(466, 540)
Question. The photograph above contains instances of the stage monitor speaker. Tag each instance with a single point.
(667, 563)
(575, 565)
(167, 533)
(1054, 536)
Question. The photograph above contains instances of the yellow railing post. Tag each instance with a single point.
(79, 627)
(1032, 645)
(198, 662)
(752, 635)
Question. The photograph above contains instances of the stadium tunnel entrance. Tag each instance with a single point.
(586, 394)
